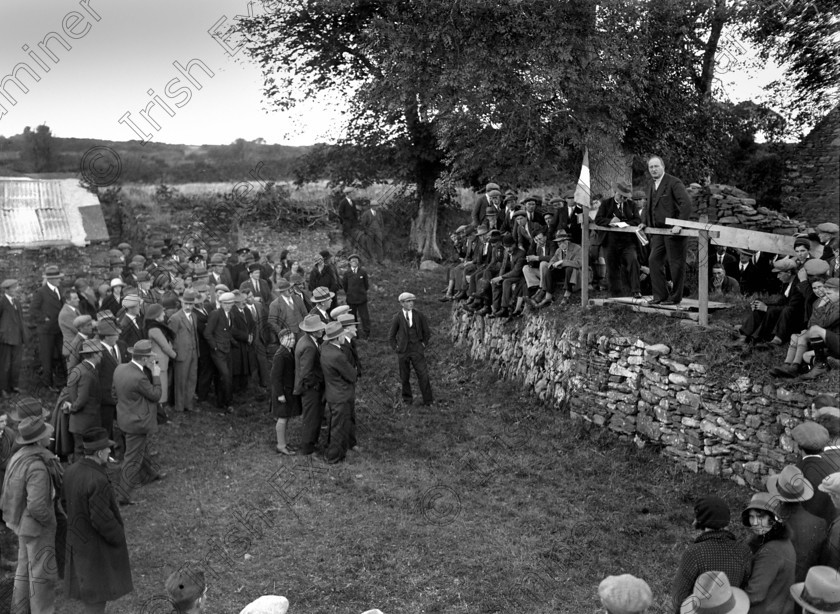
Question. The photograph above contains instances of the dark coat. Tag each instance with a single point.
(12, 330)
(398, 333)
(670, 200)
(570, 223)
(242, 325)
(512, 264)
(339, 374)
(106, 372)
(308, 372)
(132, 332)
(326, 277)
(43, 310)
(355, 286)
(626, 212)
(217, 332)
(97, 566)
(85, 397)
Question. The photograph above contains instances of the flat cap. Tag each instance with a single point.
(831, 483)
(8, 283)
(625, 594)
(80, 321)
(227, 297)
(811, 436)
(816, 266)
(785, 264)
(829, 227)
(406, 296)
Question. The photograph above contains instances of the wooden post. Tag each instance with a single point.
(584, 258)
(703, 273)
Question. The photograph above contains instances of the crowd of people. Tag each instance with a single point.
(169, 331)
(522, 254)
(791, 561)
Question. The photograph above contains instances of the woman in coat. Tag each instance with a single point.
(284, 403)
(161, 337)
(774, 559)
(97, 569)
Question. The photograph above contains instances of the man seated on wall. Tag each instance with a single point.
(491, 262)
(563, 266)
(540, 252)
(505, 285)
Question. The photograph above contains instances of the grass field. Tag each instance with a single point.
(487, 501)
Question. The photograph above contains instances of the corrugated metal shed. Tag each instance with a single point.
(48, 212)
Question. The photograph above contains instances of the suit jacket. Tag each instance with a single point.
(131, 333)
(12, 331)
(325, 318)
(326, 277)
(479, 210)
(758, 277)
(106, 371)
(512, 264)
(282, 317)
(542, 253)
(137, 399)
(729, 262)
(398, 333)
(347, 213)
(670, 200)
(373, 224)
(506, 223)
(339, 374)
(201, 318)
(570, 259)
(626, 212)
(308, 374)
(65, 322)
(570, 223)
(185, 330)
(218, 331)
(73, 356)
(214, 279)
(263, 291)
(44, 310)
(85, 397)
(355, 286)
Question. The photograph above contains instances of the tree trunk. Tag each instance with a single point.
(609, 164)
(424, 227)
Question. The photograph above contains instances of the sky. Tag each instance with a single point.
(123, 55)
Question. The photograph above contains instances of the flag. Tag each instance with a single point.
(582, 189)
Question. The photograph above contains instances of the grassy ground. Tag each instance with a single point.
(486, 502)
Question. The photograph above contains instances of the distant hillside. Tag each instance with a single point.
(161, 162)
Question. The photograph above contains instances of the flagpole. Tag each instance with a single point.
(583, 198)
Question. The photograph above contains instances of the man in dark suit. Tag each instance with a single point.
(220, 340)
(486, 206)
(347, 213)
(621, 254)
(137, 398)
(207, 375)
(324, 274)
(409, 334)
(724, 256)
(12, 337)
(132, 325)
(85, 395)
(339, 391)
(373, 226)
(666, 198)
(258, 286)
(540, 252)
(43, 314)
(355, 282)
(505, 285)
(754, 273)
(569, 219)
(185, 328)
(322, 300)
(309, 382)
(287, 311)
(114, 353)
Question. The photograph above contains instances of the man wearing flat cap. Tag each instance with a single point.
(84, 331)
(408, 336)
(137, 397)
(83, 387)
(13, 337)
(43, 314)
(97, 569)
(219, 335)
(487, 207)
(356, 283)
(373, 227)
(114, 353)
(828, 234)
(32, 481)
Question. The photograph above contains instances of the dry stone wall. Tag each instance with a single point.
(721, 423)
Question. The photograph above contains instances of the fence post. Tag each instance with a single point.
(584, 258)
(703, 281)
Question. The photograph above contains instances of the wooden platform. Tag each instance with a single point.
(688, 308)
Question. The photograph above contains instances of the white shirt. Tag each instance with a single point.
(408, 317)
(657, 182)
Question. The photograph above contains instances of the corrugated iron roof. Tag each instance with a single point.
(41, 213)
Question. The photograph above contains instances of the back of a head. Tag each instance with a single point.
(267, 604)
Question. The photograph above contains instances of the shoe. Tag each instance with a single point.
(655, 301)
(285, 451)
(818, 370)
(539, 296)
(786, 371)
(637, 295)
(499, 313)
(668, 301)
(460, 296)
(445, 299)
(564, 302)
(517, 313)
(483, 311)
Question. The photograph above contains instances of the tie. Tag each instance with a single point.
(115, 355)
(743, 267)
(408, 317)
(58, 294)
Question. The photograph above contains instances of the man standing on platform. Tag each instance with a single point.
(12, 337)
(622, 255)
(409, 334)
(666, 198)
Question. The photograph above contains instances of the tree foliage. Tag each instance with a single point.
(37, 153)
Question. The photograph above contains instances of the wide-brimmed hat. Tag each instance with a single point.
(765, 502)
(227, 297)
(189, 297)
(341, 309)
(119, 282)
(820, 592)
(312, 324)
(322, 294)
(347, 319)
(107, 327)
(625, 190)
(283, 284)
(53, 272)
(27, 407)
(90, 346)
(33, 429)
(267, 604)
(406, 296)
(333, 331)
(96, 438)
(790, 485)
(714, 595)
(141, 349)
(625, 594)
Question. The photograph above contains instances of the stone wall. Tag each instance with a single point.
(729, 206)
(811, 185)
(705, 418)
